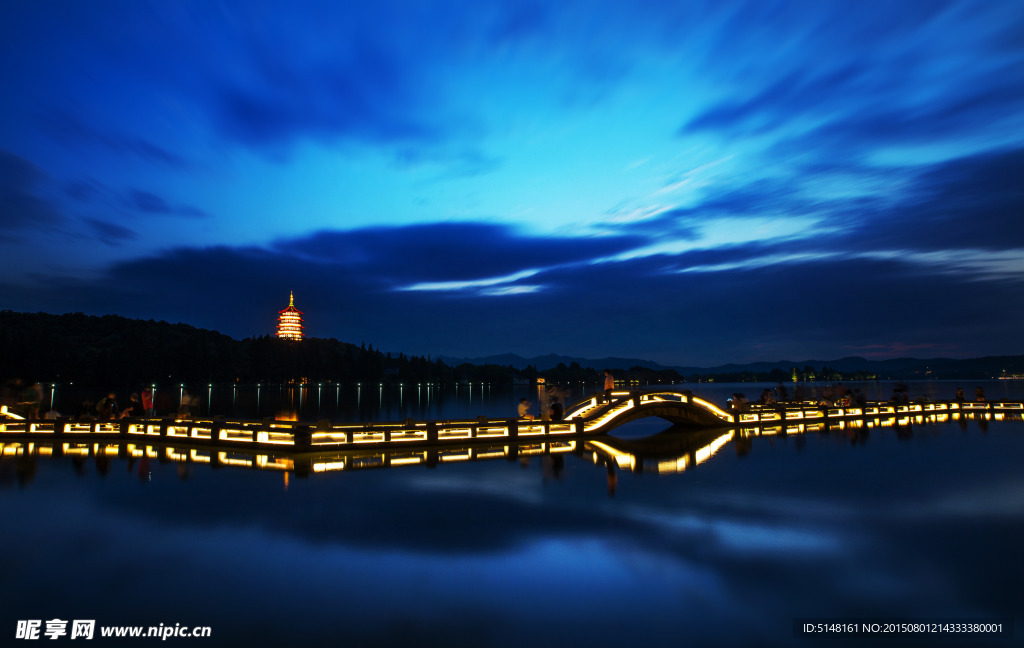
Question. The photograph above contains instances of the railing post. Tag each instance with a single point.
(513, 428)
(432, 431)
(302, 436)
(578, 422)
(215, 426)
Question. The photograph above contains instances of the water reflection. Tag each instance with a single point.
(462, 551)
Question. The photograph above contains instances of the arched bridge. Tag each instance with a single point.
(600, 415)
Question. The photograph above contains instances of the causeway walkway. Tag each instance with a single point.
(592, 417)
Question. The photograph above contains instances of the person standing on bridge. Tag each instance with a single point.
(609, 384)
(147, 401)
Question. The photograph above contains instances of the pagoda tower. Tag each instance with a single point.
(289, 321)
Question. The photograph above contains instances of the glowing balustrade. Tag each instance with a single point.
(613, 412)
(368, 437)
(717, 411)
(201, 433)
(492, 431)
(236, 435)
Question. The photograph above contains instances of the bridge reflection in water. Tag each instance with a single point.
(675, 450)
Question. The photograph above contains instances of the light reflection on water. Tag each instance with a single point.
(506, 553)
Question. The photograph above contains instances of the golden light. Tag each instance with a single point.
(289, 321)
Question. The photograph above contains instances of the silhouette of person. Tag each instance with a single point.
(556, 409)
(609, 384)
(107, 407)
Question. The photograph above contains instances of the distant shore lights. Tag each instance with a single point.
(289, 321)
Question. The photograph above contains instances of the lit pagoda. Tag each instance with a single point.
(289, 321)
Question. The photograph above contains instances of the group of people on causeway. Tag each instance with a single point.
(139, 405)
(553, 397)
(27, 401)
(834, 396)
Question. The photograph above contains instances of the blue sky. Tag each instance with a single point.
(689, 182)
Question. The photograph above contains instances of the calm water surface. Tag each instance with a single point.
(926, 521)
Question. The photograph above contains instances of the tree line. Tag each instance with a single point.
(115, 352)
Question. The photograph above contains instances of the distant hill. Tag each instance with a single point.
(550, 361)
(892, 369)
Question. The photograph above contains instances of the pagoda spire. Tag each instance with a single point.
(289, 320)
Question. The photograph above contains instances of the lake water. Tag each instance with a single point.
(920, 521)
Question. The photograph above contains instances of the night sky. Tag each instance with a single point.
(690, 182)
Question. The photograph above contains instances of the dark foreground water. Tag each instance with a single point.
(920, 521)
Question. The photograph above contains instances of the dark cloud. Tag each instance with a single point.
(450, 251)
(972, 202)
(842, 85)
(762, 197)
(863, 131)
(966, 203)
(71, 131)
(81, 191)
(364, 92)
(648, 307)
(21, 206)
(798, 93)
(151, 203)
(110, 233)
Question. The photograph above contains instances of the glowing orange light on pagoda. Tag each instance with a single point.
(289, 321)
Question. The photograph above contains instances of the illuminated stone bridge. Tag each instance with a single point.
(591, 417)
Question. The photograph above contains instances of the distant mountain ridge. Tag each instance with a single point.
(990, 366)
